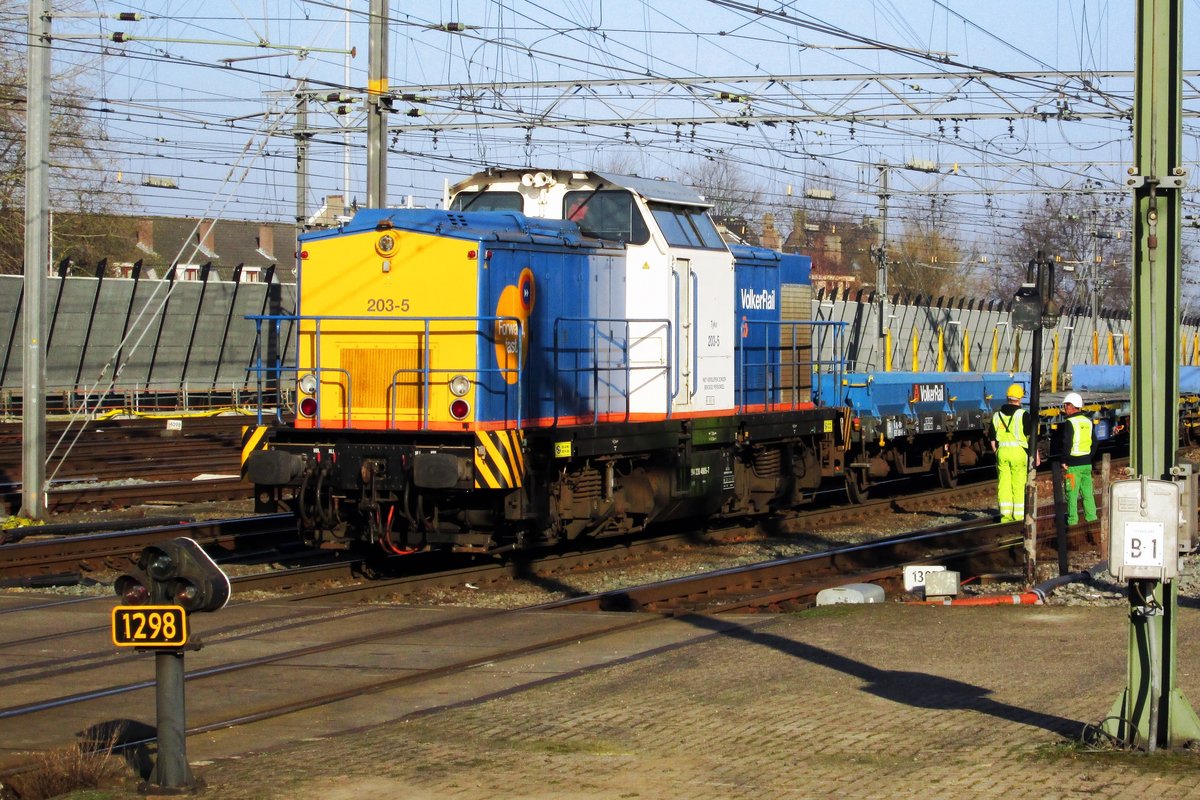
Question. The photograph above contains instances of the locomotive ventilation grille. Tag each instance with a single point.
(796, 342)
(373, 369)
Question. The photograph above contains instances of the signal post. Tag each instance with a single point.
(172, 580)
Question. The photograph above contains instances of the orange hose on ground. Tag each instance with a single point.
(1022, 599)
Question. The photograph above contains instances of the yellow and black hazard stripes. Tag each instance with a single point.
(499, 460)
(254, 437)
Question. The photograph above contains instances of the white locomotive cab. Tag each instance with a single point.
(678, 276)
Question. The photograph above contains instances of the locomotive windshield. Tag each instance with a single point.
(606, 214)
(687, 226)
(487, 201)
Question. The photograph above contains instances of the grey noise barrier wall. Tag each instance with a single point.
(169, 344)
(187, 344)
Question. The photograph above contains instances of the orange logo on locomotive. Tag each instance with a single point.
(512, 327)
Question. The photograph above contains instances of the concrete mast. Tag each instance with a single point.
(37, 255)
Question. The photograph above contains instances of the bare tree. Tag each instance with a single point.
(926, 261)
(929, 256)
(81, 188)
(618, 162)
(1086, 239)
(725, 185)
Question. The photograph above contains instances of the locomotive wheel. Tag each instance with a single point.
(948, 473)
(858, 485)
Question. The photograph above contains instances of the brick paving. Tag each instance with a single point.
(855, 702)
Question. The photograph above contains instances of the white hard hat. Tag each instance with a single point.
(1073, 399)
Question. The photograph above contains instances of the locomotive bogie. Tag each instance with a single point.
(609, 495)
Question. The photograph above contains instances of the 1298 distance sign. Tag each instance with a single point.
(149, 626)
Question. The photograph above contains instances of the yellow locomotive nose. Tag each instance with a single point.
(384, 334)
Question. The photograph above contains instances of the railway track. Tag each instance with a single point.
(78, 553)
(43, 560)
(783, 584)
(233, 682)
(793, 583)
(120, 463)
(116, 550)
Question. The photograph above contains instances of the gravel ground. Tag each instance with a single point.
(1101, 590)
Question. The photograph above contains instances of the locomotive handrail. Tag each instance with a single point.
(836, 365)
(260, 369)
(626, 364)
(426, 371)
(838, 361)
(695, 368)
(348, 405)
(677, 373)
(318, 370)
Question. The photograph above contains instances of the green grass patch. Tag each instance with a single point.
(833, 611)
(1169, 761)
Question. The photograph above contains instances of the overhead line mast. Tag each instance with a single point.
(379, 104)
(37, 256)
(1152, 710)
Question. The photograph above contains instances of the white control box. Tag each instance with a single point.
(941, 584)
(1144, 529)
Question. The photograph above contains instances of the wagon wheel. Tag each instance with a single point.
(948, 472)
(858, 485)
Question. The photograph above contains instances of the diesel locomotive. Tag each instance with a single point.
(561, 354)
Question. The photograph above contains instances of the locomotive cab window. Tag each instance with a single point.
(685, 226)
(606, 214)
(487, 201)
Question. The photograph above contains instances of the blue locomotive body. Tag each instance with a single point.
(481, 378)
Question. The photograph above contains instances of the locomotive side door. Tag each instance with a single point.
(686, 298)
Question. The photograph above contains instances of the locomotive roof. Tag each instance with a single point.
(491, 225)
(746, 251)
(657, 189)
